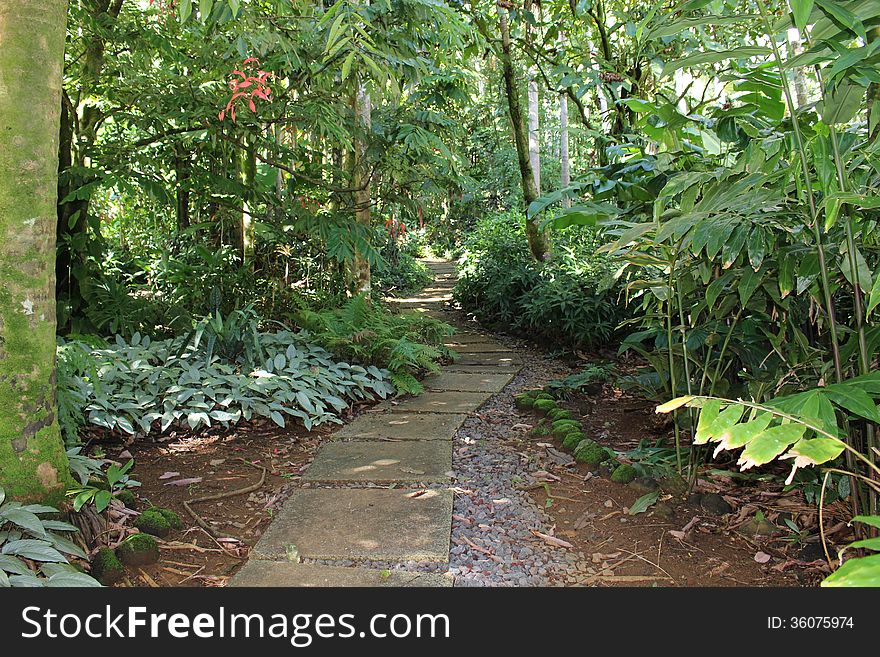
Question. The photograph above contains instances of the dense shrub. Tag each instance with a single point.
(570, 300)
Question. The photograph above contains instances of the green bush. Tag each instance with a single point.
(569, 300)
(406, 344)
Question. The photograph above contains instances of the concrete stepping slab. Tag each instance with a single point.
(439, 402)
(467, 382)
(364, 524)
(412, 460)
(480, 348)
(402, 426)
(466, 337)
(429, 300)
(480, 369)
(279, 573)
(497, 360)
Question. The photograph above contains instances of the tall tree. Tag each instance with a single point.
(539, 241)
(33, 464)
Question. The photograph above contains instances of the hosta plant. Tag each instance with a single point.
(33, 548)
(143, 386)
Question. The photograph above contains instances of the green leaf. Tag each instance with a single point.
(801, 10)
(205, 7)
(769, 444)
(24, 519)
(673, 404)
(841, 103)
(873, 521)
(713, 56)
(814, 451)
(72, 580)
(872, 544)
(35, 550)
(853, 399)
(708, 414)
(864, 571)
(277, 418)
(185, 10)
(843, 16)
(644, 503)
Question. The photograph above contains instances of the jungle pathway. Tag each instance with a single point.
(384, 502)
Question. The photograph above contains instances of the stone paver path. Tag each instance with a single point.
(381, 491)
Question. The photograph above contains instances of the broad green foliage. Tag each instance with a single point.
(26, 534)
(143, 385)
(571, 300)
(406, 344)
(802, 428)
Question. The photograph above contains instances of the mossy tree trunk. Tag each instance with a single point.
(359, 275)
(33, 465)
(539, 241)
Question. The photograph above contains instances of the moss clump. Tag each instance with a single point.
(524, 401)
(153, 522)
(590, 453)
(138, 550)
(106, 567)
(540, 429)
(573, 439)
(544, 405)
(623, 474)
(172, 519)
(561, 428)
(545, 395)
(128, 498)
(559, 414)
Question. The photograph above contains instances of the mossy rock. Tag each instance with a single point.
(138, 550)
(545, 395)
(106, 567)
(624, 474)
(559, 414)
(171, 518)
(573, 439)
(524, 401)
(591, 454)
(544, 405)
(128, 498)
(561, 428)
(153, 521)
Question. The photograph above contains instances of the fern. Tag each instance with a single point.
(406, 344)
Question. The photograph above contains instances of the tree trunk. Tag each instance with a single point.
(564, 163)
(360, 275)
(182, 168)
(33, 464)
(539, 241)
(534, 105)
(800, 80)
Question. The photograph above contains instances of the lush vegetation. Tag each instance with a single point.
(240, 183)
